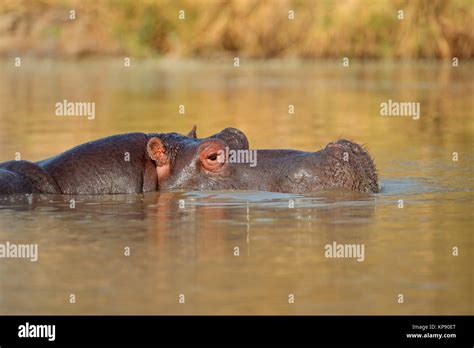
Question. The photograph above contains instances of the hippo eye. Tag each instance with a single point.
(213, 157)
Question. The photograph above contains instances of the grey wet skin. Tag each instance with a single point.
(116, 164)
(111, 165)
(342, 164)
(25, 177)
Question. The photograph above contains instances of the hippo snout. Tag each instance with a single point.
(350, 165)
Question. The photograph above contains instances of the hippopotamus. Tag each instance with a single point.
(111, 165)
(25, 177)
(206, 166)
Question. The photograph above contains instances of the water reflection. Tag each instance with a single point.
(185, 242)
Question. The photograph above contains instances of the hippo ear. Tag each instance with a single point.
(157, 152)
(212, 155)
(192, 132)
(234, 138)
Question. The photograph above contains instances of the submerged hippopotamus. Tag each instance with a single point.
(139, 162)
(206, 166)
(116, 164)
(25, 177)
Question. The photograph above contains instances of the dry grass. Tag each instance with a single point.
(249, 28)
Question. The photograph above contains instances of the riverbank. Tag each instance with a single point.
(247, 29)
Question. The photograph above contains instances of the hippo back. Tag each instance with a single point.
(116, 164)
(25, 177)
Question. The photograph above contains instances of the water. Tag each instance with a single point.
(190, 249)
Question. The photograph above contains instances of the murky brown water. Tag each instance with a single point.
(190, 250)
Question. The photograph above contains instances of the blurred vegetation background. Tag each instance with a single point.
(247, 28)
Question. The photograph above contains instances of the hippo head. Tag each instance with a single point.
(347, 164)
(204, 165)
(187, 159)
